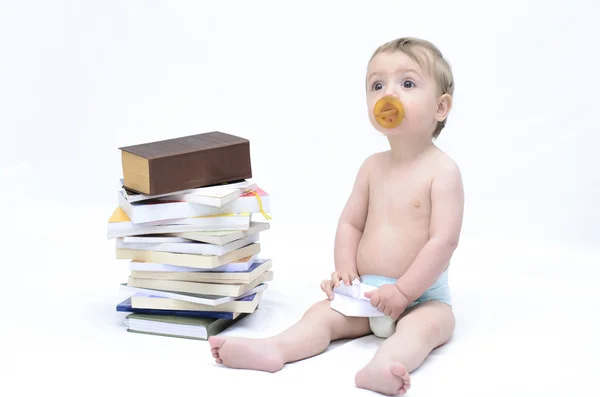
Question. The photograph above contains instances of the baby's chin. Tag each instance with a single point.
(397, 131)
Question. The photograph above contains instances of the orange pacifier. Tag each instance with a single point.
(389, 112)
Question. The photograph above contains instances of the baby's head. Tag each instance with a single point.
(415, 72)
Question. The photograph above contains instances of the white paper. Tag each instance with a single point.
(350, 300)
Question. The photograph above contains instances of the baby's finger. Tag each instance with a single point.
(335, 279)
(329, 291)
(353, 276)
(325, 285)
(346, 278)
(375, 299)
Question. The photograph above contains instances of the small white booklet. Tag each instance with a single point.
(350, 300)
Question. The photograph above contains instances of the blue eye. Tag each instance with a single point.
(408, 84)
(377, 86)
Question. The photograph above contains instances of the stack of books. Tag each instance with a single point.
(186, 221)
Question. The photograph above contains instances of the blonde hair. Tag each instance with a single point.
(422, 51)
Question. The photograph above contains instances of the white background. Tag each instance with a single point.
(78, 80)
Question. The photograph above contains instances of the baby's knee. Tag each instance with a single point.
(324, 305)
(318, 308)
(382, 326)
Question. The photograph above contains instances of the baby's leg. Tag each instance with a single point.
(308, 337)
(418, 332)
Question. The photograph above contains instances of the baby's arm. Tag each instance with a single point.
(352, 222)
(447, 203)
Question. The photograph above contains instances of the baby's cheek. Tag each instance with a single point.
(371, 109)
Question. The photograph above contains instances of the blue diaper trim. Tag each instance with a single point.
(438, 291)
(377, 281)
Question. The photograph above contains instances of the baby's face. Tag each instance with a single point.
(396, 74)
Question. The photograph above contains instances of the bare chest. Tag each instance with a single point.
(397, 223)
(399, 198)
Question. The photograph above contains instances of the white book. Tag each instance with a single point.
(211, 300)
(120, 225)
(188, 260)
(217, 222)
(246, 277)
(217, 195)
(142, 301)
(122, 229)
(190, 247)
(155, 239)
(152, 211)
(350, 300)
(223, 237)
(238, 266)
(202, 288)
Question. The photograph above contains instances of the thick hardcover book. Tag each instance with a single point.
(188, 162)
(178, 326)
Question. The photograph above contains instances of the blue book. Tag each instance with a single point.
(126, 307)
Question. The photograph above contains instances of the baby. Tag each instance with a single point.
(398, 231)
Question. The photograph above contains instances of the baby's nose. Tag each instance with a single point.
(390, 90)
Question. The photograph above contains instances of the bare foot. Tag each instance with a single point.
(384, 377)
(243, 353)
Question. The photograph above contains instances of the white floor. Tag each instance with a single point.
(526, 324)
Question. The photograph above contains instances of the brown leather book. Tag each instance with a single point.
(187, 162)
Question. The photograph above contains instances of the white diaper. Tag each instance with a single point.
(350, 300)
(383, 326)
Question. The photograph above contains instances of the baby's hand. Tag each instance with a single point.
(389, 300)
(328, 285)
(343, 276)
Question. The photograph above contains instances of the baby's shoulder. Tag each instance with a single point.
(368, 169)
(376, 159)
(373, 164)
(444, 166)
(440, 160)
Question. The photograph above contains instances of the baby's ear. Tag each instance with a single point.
(444, 106)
